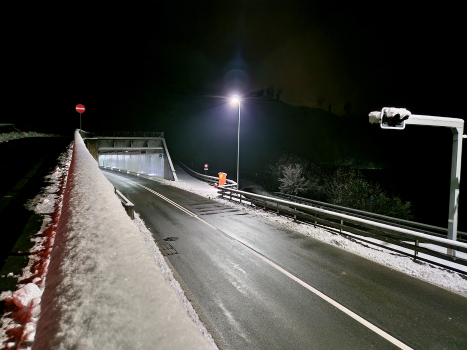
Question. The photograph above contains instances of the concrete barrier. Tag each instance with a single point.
(103, 289)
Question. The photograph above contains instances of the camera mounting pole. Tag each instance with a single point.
(457, 128)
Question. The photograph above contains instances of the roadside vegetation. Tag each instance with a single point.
(339, 185)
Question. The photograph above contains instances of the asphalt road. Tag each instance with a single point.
(260, 285)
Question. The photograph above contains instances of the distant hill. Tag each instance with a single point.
(200, 128)
(267, 127)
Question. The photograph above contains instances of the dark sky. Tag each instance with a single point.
(167, 66)
(129, 65)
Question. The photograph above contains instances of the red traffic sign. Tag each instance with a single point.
(80, 108)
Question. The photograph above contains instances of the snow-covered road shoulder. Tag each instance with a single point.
(103, 289)
(450, 280)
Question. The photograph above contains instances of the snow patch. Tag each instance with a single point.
(25, 295)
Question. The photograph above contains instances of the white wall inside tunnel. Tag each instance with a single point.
(149, 163)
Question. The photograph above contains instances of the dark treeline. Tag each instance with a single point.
(339, 184)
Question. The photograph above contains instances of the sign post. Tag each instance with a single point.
(80, 109)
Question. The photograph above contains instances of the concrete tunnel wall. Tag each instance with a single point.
(154, 164)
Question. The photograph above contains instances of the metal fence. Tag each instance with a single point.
(362, 226)
(416, 226)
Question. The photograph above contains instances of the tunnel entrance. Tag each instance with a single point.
(144, 153)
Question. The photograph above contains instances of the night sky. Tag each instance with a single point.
(133, 67)
(170, 66)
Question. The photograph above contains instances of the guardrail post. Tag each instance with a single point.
(416, 249)
(131, 211)
(455, 182)
(342, 224)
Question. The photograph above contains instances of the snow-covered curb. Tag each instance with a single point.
(103, 287)
(425, 271)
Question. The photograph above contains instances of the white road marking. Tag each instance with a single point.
(323, 296)
(159, 195)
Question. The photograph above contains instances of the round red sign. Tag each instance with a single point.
(80, 108)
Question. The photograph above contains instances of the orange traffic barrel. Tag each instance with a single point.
(222, 179)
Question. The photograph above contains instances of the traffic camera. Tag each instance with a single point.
(390, 118)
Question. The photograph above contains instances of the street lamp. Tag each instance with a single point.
(234, 100)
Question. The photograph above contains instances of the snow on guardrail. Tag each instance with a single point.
(103, 289)
(354, 219)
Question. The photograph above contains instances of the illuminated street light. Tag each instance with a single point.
(234, 100)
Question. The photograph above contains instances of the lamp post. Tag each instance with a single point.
(236, 99)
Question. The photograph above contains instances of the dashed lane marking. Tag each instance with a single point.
(323, 296)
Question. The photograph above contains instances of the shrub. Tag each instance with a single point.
(349, 188)
(346, 187)
(293, 180)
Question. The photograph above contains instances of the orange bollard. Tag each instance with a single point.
(222, 179)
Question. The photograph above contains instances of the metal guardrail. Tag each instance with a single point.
(206, 178)
(399, 236)
(129, 207)
(417, 226)
(130, 133)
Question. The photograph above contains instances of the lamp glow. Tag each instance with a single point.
(235, 99)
